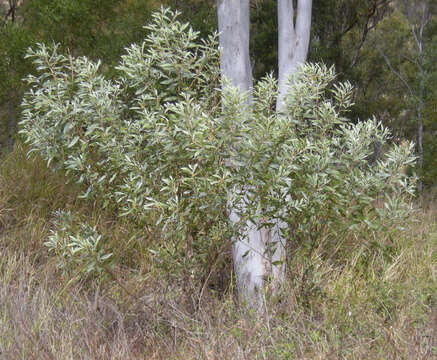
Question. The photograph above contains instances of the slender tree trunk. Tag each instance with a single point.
(248, 248)
(253, 264)
(418, 36)
(293, 41)
(420, 122)
(233, 22)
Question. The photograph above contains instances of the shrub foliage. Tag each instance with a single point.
(163, 145)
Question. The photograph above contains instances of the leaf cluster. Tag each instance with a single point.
(311, 169)
(77, 248)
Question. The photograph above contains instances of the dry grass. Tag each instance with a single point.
(377, 300)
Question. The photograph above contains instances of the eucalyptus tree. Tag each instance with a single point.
(408, 61)
(260, 252)
(248, 251)
(293, 41)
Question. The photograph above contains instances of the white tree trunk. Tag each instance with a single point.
(248, 249)
(233, 22)
(252, 263)
(293, 41)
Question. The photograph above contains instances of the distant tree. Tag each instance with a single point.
(405, 55)
(342, 27)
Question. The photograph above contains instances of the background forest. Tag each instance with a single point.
(369, 295)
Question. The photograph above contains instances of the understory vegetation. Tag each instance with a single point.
(375, 298)
(115, 237)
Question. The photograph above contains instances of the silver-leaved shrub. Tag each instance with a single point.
(165, 146)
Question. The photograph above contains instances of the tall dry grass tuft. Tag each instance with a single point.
(29, 193)
(373, 297)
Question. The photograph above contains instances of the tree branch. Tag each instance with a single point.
(10, 12)
(387, 60)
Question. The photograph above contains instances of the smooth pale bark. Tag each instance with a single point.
(293, 41)
(233, 22)
(253, 264)
(248, 249)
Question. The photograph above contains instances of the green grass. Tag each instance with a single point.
(375, 298)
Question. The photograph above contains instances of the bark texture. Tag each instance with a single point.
(233, 22)
(253, 264)
(248, 249)
(293, 41)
